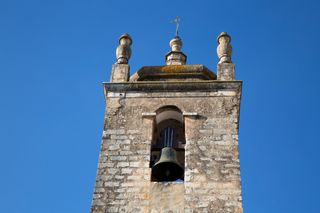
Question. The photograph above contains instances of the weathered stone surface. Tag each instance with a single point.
(173, 73)
(226, 71)
(120, 73)
(212, 171)
(166, 197)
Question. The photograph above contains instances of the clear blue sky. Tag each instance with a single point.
(54, 56)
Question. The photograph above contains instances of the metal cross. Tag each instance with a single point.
(177, 21)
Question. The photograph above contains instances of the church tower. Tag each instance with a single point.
(170, 139)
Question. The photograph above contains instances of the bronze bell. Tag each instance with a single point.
(167, 168)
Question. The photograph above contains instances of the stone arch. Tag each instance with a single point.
(168, 120)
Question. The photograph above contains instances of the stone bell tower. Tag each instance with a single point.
(170, 139)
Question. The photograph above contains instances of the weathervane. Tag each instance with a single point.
(177, 21)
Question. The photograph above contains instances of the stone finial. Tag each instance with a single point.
(176, 44)
(121, 69)
(175, 56)
(224, 49)
(123, 51)
(226, 69)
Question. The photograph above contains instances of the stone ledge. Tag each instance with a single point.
(173, 86)
(173, 72)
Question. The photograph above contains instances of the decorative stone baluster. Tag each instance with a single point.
(123, 51)
(226, 69)
(224, 49)
(121, 69)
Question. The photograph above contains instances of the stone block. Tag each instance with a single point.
(120, 73)
(226, 72)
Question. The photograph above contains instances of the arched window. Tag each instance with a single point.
(168, 132)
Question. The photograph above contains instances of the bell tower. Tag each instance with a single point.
(170, 139)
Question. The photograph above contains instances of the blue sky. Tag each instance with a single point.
(54, 56)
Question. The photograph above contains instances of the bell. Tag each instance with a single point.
(167, 168)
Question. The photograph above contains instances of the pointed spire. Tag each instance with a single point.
(176, 56)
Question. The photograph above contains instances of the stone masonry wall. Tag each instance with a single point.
(212, 175)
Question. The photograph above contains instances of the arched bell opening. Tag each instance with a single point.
(167, 158)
